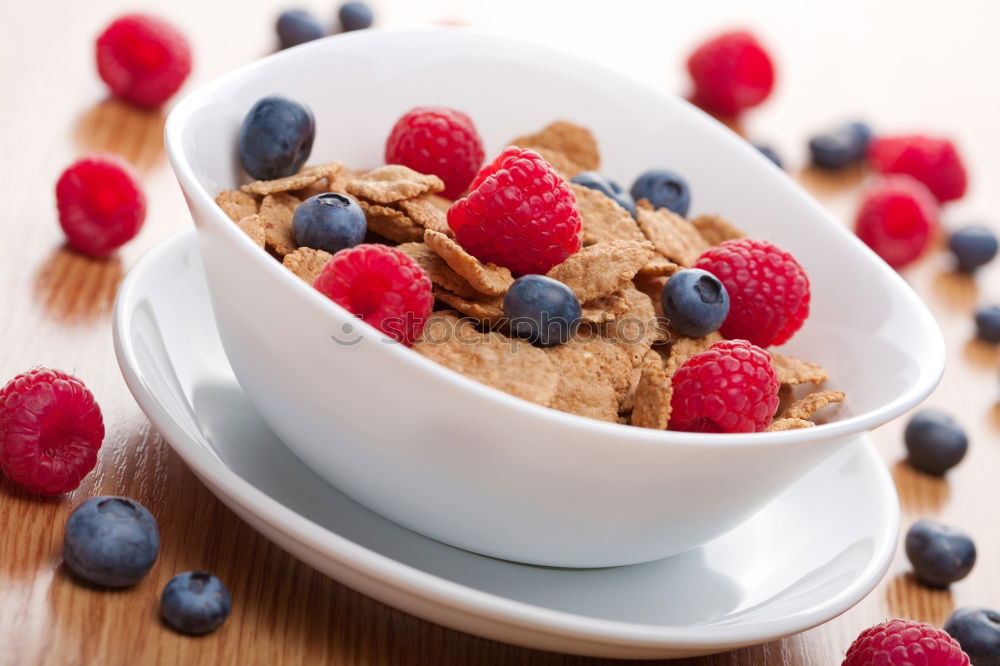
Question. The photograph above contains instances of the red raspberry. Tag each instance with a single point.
(143, 59)
(101, 205)
(383, 286)
(768, 290)
(730, 387)
(731, 72)
(519, 213)
(50, 431)
(934, 162)
(904, 643)
(898, 219)
(440, 141)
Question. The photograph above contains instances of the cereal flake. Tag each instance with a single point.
(392, 183)
(812, 403)
(307, 263)
(653, 394)
(795, 371)
(276, 212)
(302, 179)
(714, 229)
(573, 141)
(780, 425)
(674, 237)
(603, 268)
(487, 278)
(237, 205)
(602, 219)
(487, 309)
(391, 223)
(426, 212)
(440, 273)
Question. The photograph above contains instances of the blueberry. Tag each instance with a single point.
(988, 323)
(355, 16)
(297, 26)
(973, 246)
(769, 153)
(276, 138)
(695, 302)
(111, 541)
(544, 311)
(597, 181)
(329, 222)
(977, 630)
(940, 554)
(841, 146)
(664, 189)
(934, 441)
(195, 602)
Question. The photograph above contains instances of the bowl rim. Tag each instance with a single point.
(930, 365)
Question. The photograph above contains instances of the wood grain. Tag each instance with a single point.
(902, 65)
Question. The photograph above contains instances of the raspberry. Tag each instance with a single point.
(934, 162)
(730, 387)
(768, 290)
(898, 219)
(902, 643)
(519, 213)
(50, 431)
(440, 141)
(731, 72)
(381, 285)
(101, 205)
(143, 59)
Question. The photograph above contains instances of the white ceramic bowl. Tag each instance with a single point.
(469, 465)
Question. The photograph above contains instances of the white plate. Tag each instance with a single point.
(781, 572)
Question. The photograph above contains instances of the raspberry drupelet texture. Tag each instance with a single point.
(381, 285)
(904, 643)
(143, 59)
(730, 387)
(101, 205)
(731, 72)
(439, 141)
(934, 162)
(519, 213)
(898, 219)
(50, 431)
(768, 290)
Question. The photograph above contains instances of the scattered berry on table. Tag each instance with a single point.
(330, 222)
(355, 16)
(695, 302)
(768, 290)
(940, 554)
(663, 189)
(440, 141)
(276, 138)
(297, 26)
(988, 323)
(101, 204)
(898, 219)
(143, 59)
(977, 630)
(934, 441)
(770, 153)
(381, 285)
(50, 430)
(934, 162)
(731, 72)
(544, 311)
(598, 181)
(730, 387)
(973, 246)
(111, 541)
(904, 643)
(841, 146)
(519, 213)
(195, 602)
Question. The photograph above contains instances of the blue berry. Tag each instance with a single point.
(977, 630)
(769, 153)
(695, 302)
(663, 189)
(195, 602)
(330, 222)
(355, 16)
(543, 311)
(973, 246)
(276, 138)
(988, 323)
(297, 26)
(597, 181)
(111, 541)
(841, 146)
(934, 441)
(940, 554)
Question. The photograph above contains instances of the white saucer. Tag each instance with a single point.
(807, 557)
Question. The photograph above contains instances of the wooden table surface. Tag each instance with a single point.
(902, 65)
